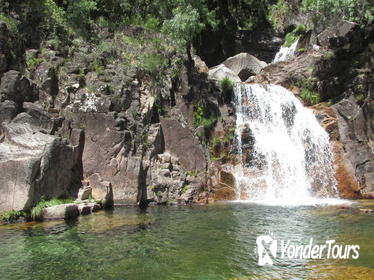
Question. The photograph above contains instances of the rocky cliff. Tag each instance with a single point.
(113, 114)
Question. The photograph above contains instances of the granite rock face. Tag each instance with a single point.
(35, 164)
(180, 142)
(356, 127)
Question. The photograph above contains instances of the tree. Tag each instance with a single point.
(188, 20)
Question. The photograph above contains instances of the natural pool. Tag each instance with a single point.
(198, 242)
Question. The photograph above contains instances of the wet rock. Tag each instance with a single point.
(221, 182)
(84, 193)
(356, 134)
(63, 211)
(101, 190)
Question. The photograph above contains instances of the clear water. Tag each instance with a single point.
(288, 153)
(199, 242)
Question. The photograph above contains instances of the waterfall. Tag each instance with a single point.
(286, 52)
(285, 156)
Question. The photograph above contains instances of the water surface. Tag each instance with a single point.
(198, 242)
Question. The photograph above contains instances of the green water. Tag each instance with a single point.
(199, 242)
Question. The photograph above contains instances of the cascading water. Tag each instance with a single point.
(285, 156)
(286, 52)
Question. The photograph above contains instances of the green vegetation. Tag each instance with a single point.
(309, 97)
(10, 22)
(193, 173)
(308, 94)
(330, 11)
(227, 88)
(184, 189)
(203, 116)
(37, 210)
(278, 14)
(294, 35)
(360, 98)
(11, 216)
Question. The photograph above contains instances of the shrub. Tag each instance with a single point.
(330, 11)
(278, 14)
(294, 35)
(10, 22)
(11, 216)
(227, 87)
(309, 96)
(203, 116)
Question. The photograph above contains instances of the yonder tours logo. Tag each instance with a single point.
(269, 249)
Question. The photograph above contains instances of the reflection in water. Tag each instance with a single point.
(200, 242)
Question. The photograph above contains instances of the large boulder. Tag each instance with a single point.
(221, 72)
(244, 65)
(14, 86)
(62, 211)
(337, 35)
(180, 142)
(35, 164)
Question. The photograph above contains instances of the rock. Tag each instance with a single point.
(88, 208)
(181, 143)
(17, 88)
(35, 164)
(39, 117)
(8, 110)
(101, 190)
(261, 43)
(356, 134)
(334, 35)
(46, 78)
(84, 193)
(367, 211)
(221, 182)
(200, 64)
(63, 211)
(84, 209)
(220, 72)
(107, 153)
(155, 140)
(244, 65)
